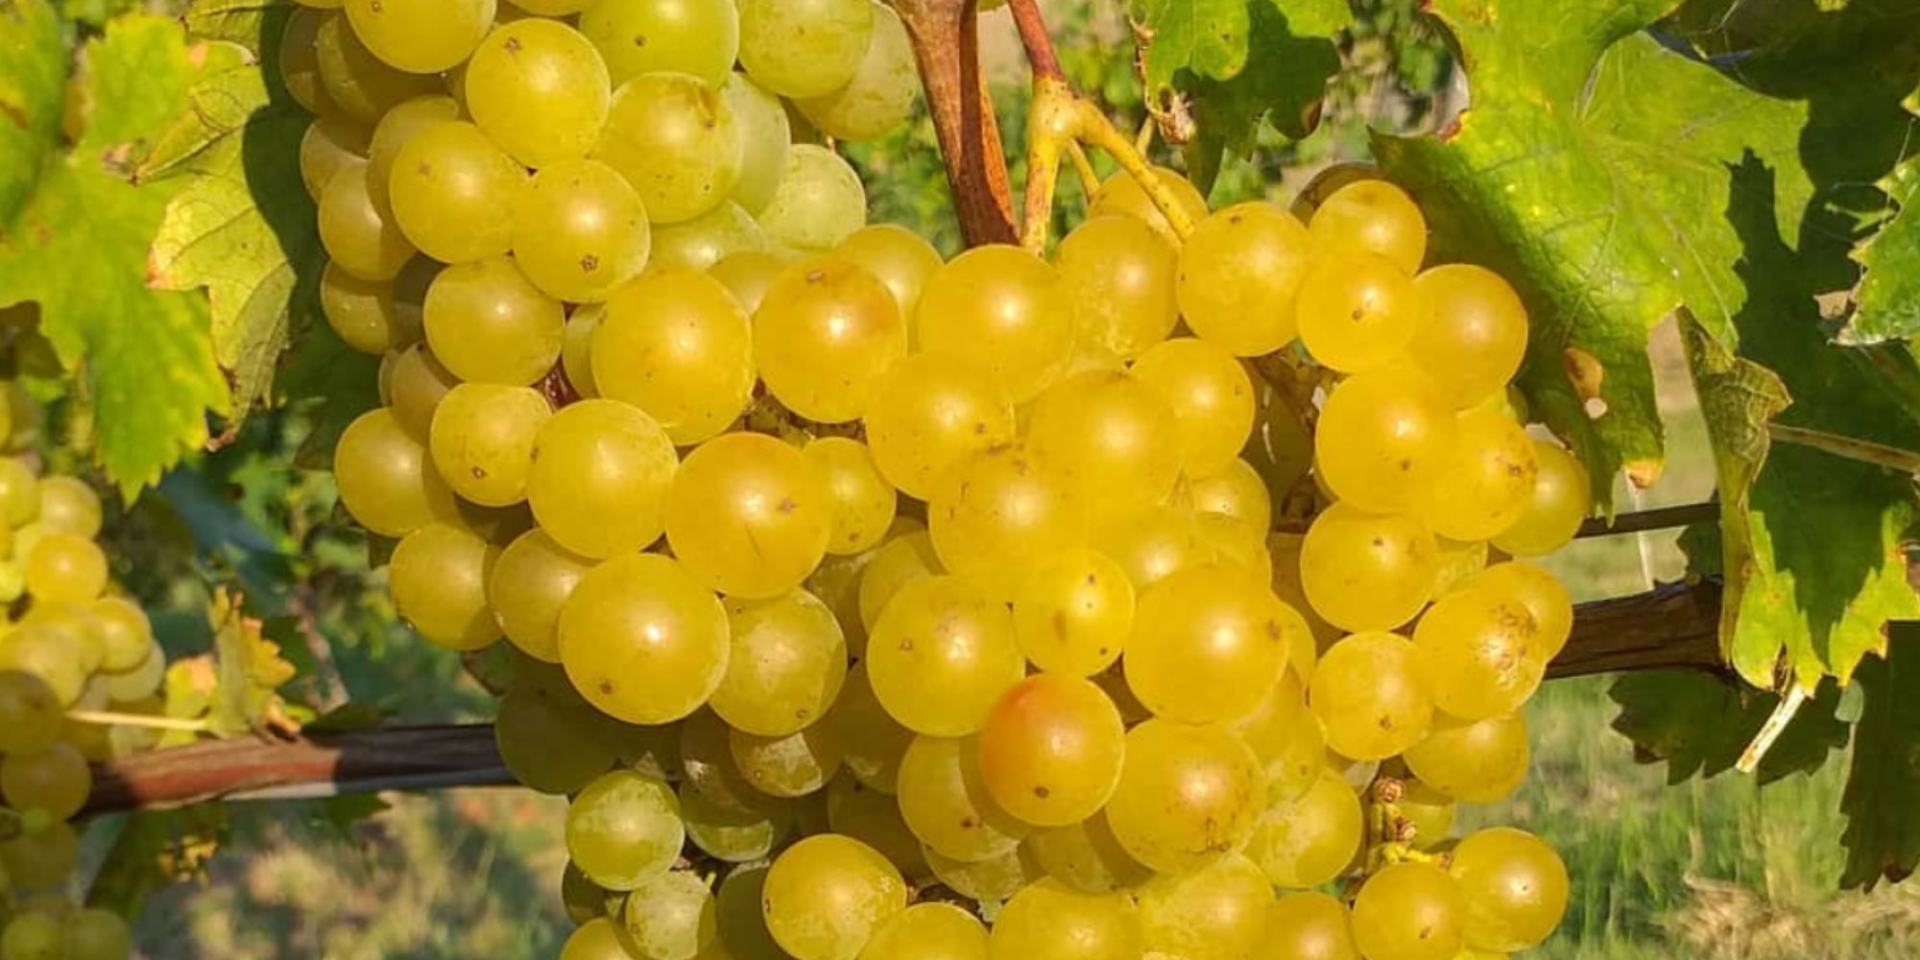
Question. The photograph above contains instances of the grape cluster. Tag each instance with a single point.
(67, 642)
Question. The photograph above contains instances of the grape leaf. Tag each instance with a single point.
(1699, 724)
(1887, 301)
(1882, 801)
(156, 849)
(251, 672)
(31, 80)
(78, 246)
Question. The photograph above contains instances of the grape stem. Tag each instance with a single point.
(109, 718)
(1039, 43)
(1865, 451)
(946, 45)
(1783, 714)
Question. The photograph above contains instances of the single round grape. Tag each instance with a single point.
(818, 202)
(931, 411)
(300, 63)
(747, 515)
(576, 351)
(793, 765)
(1356, 310)
(415, 385)
(1309, 926)
(1121, 195)
(1286, 737)
(1472, 333)
(928, 931)
(552, 742)
(733, 834)
(362, 312)
(41, 859)
(1050, 750)
(1515, 888)
(601, 473)
(31, 718)
(643, 640)
(579, 230)
(398, 127)
(1156, 543)
(995, 514)
(1313, 839)
(1115, 434)
(705, 747)
(362, 238)
(1237, 491)
(1074, 612)
(1383, 439)
(1211, 398)
(362, 85)
(1087, 857)
(766, 135)
(1207, 645)
(879, 98)
(1187, 795)
(1005, 309)
(332, 143)
(945, 801)
(708, 238)
(1543, 595)
(139, 681)
(489, 324)
(65, 568)
(873, 818)
(386, 479)
(698, 37)
(1375, 217)
(1410, 910)
(1478, 654)
(804, 48)
(597, 939)
(1562, 497)
(825, 333)
(1370, 696)
(675, 139)
(624, 829)
(1219, 912)
(453, 193)
(439, 583)
(540, 90)
(671, 916)
(56, 780)
(34, 935)
(675, 344)
(1239, 275)
(49, 653)
(1480, 761)
(1486, 483)
(1052, 921)
(941, 654)
(1121, 275)
(872, 743)
(896, 256)
(531, 582)
(788, 661)
(482, 441)
(825, 896)
(97, 934)
(19, 491)
(1363, 571)
(899, 561)
(863, 502)
(420, 36)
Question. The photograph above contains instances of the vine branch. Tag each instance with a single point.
(946, 44)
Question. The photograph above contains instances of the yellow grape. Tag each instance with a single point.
(1543, 595)
(1472, 333)
(1474, 761)
(1121, 195)
(1052, 921)
(1051, 748)
(1286, 736)
(873, 818)
(676, 141)
(1363, 571)
(1207, 645)
(735, 835)
(996, 879)
(880, 96)
(1121, 273)
(794, 765)
(362, 312)
(386, 478)
(421, 36)
(818, 202)
(624, 829)
(453, 193)
(601, 473)
(531, 582)
(1156, 543)
(1515, 888)
(703, 241)
(1211, 398)
(19, 491)
(362, 85)
(1187, 795)
(747, 516)
(825, 332)
(43, 859)
(1478, 653)
(863, 502)
(126, 635)
(579, 230)
(65, 568)
(1372, 216)
(947, 806)
(1074, 612)
(1115, 436)
(1410, 911)
(488, 323)
(996, 514)
(942, 653)
(747, 275)
(1239, 275)
(1309, 926)
(1485, 484)
(895, 256)
(930, 411)
(787, 665)
(332, 143)
(1087, 857)
(872, 743)
(928, 931)
(675, 344)
(1383, 438)
(1219, 912)
(482, 441)
(1370, 697)
(1562, 496)
(56, 781)
(804, 48)
(300, 65)
(903, 559)
(439, 582)
(360, 235)
(1314, 838)
(700, 37)
(671, 916)
(1237, 491)
(538, 89)
(766, 139)
(1356, 310)
(415, 385)
(642, 640)
(1004, 309)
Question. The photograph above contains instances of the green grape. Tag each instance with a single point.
(872, 743)
(1239, 275)
(1210, 395)
(597, 939)
(385, 478)
(1050, 750)
(1237, 491)
(941, 654)
(642, 640)
(766, 135)
(539, 90)
(873, 818)
(1074, 612)
(579, 230)
(792, 765)
(415, 385)
(931, 411)
(1154, 544)
(894, 255)
(358, 234)
(826, 331)
(439, 583)
(1115, 434)
(675, 139)
(1375, 217)
(300, 62)
(576, 351)
(864, 503)
(879, 98)
(482, 441)
(1485, 483)
(41, 859)
(31, 717)
(1478, 653)
(736, 833)
(1480, 761)
(1369, 694)
(396, 127)
(73, 621)
(65, 568)
(804, 48)
(1218, 912)
(487, 323)
(1087, 857)
(1383, 439)
(1515, 889)
(1472, 332)
(899, 561)
(1286, 737)
(1312, 839)
(788, 661)
(1207, 646)
(672, 917)
(96, 934)
(1409, 911)
(698, 37)
(708, 238)
(994, 880)
(747, 516)
(1052, 921)
(996, 513)
(946, 804)
(453, 193)
(420, 36)
(1364, 571)
(1562, 496)
(928, 931)
(1122, 196)
(362, 85)
(19, 492)
(139, 681)
(1120, 273)
(747, 275)
(624, 829)
(332, 143)
(1187, 795)
(676, 345)
(552, 743)
(530, 584)
(818, 202)
(1427, 812)
(1309, 926)
(1543, 596)
(1356, 310)
(362, 312)
(57, 781)
(1004, 309)
(34, 935)
(583, 901)
(826, 894)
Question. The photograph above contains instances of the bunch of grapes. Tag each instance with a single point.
(67, 643)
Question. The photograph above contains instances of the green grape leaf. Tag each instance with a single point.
(1882, 800)
(1887, 301)
(156, 849)
(251, 671)
(1699, 724)
(32, 79)
(77, 244)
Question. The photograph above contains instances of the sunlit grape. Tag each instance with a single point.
(488, 323)
(700, 37)
(1207, 645)
(1383, 439)
(1370, 696)
(539, 90)
(1410, 910)
(1051, 748)
(942, 654)
(747, 516)
(825, 333)
(642, 640)
(1121, 195)
(1356, 310)
(1475, 761)
(482, 441)
(1374, 216)
(826, 894)
(879, 97)
(1485, 484)
(579, 230)
(624, 829)
(1116, 437)
(601, 472)
(1120, 273)
(1219, 912)
(1187, 795)
(804, 48)
(1545, 597)
(1478, 653)
(1239, 274)
(1364, 571)
(1472, 332)
(675, 344)
(1562, 495)
(928, 931)
(995, 514)
(674, 138)
(1074, 612)
(1210, 395)
(930, 411)
(1514, 886)
(1050, 920)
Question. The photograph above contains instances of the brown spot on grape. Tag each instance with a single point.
(512, 45)
(802, 713)
(815, 276)
(906, 644)
(1379, 543)
(1406, 465)
(1042, 792)
(377, 8)
(589, 263)
(1359, 314)
(968, 823)
(639, 40)
(789, 505)
(479, 473)
(979, 428)
(606, 687)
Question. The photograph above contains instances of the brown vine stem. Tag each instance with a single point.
(945, 35)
